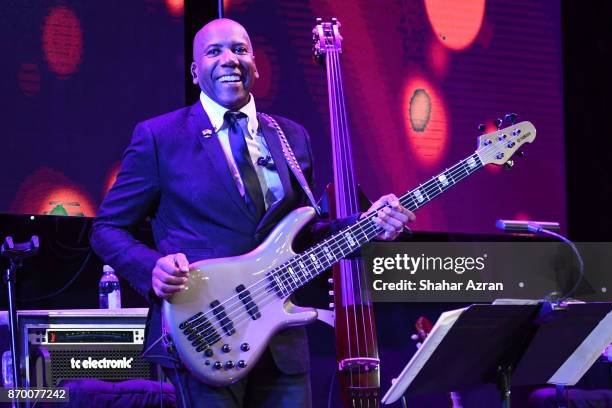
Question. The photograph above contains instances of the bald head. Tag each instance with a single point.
(223, 63)
(217, 26)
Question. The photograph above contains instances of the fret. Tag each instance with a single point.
(292, 278)
(350, 239)
(292, 275)
(471, 163)
(279, 283)
(443, 180)
(311, 263)
(328, 254)
(418, 195)
(315, 261)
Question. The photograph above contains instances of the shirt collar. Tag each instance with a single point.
(215, 113)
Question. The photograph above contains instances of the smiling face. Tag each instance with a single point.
(223, 63)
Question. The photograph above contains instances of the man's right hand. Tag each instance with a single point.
(170, 275)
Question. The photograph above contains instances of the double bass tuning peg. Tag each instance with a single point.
(481, 128)
(498, 123)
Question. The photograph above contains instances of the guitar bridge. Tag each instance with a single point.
(366, 363)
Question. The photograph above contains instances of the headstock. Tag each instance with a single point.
(499, 146)
(326, 37)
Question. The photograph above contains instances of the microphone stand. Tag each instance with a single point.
(15, 253)
(537, 229)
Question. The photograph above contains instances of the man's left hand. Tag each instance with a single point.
(392, 218)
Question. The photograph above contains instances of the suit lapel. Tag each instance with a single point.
(200, 124)
(274, 144)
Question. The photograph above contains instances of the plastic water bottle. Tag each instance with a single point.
(110, 291)
(7, 369)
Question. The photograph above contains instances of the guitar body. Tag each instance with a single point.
(216, 280)
(231, 307)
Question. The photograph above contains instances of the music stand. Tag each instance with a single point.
(506, 343)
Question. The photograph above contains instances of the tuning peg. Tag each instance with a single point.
(510, 118)
(414, 337)
(498, 123)
(520, 154)
(509, 164)
(482, 127)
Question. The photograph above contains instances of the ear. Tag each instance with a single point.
(194, 73)
(255, 66)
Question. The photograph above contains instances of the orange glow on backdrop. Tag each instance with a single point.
(111, 177)
(522, 216)
(175, 7)
(48, 191)
(62, 41)
(455, 23)
(438, 58)
(425, 119)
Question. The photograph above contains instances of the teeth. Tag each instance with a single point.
(229, 78)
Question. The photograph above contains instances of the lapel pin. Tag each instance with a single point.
(207, 133)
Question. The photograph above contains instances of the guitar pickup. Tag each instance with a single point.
(193, 320)
(226, 324)
(202, 323)
(200, 332)
(245, 296)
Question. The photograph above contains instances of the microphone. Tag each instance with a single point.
(527, 226)
(266, 161)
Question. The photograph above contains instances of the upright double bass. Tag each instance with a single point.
(356, 343)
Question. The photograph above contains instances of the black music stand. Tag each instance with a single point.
(502, 344)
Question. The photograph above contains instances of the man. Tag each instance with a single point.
(186, 170)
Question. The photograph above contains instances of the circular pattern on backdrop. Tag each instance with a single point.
(266, 86)
(425, 120)
(455, 23)
(62, 41)
(28, 78)
(49, 192)
(175, 7)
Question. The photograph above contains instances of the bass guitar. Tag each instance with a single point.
(231, 307)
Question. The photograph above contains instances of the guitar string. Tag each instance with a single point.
(354, 268)
(459, 168)
(371, 227)
(350, 186)
(339, 174)
(289, 281)
(287, 278)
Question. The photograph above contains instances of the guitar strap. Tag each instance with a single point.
(291, 160)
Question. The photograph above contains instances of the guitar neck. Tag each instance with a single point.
(304, 267)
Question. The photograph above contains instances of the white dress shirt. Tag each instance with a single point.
(268, 178)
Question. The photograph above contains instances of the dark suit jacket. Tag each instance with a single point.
(179, 178)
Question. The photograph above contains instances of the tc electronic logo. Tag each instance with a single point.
(101, 363)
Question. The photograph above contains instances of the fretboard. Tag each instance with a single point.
(305, 266)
